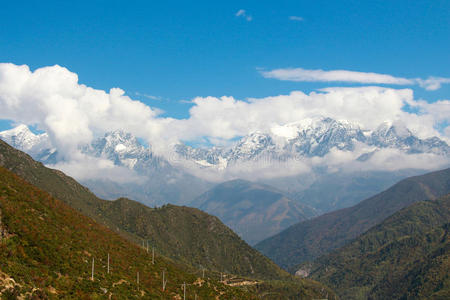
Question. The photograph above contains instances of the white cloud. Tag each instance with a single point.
(240, 12)
(73, 114)
(304, 75)
(84, 167)
(151, 97)
(243, 13)
(227, 117)
(296, 18)
(299, 74)
(432, 83)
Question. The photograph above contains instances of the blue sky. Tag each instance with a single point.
(177, 50)
(220, 70)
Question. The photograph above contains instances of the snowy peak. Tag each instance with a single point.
(117, 143)
(252, 146)
(203, 157)
(304, 139)
(314, 138)
(36, 145)
(22, 138)
(397, 136)
(121, 147)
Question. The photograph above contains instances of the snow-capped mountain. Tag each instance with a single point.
(36, 145)
(390, 135)
(307, 138)
(314, 138)
(124, 149)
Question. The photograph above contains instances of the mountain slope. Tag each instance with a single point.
(136, 222)
(192, 236)
(406, 256)
(47, 250)
(254, 211)
(310, 239)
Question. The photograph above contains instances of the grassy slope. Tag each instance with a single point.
(406, 256)
(192, 236)
(48, 245)
(177, 232)
(308, 240)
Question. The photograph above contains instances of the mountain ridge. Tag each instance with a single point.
(308, 240)
(405, 256)
(255, 211)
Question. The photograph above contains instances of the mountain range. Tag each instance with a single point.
(313, 138)
(306, 138)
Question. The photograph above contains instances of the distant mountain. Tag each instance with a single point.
(48, 250)
(310, 239)
(307, 138)
(338, 190)
(313, 138)
(254, 211)
(181, 233)
(407, 256)
(36, 145)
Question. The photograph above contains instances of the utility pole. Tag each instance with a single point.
(92, 276)
(164, 281)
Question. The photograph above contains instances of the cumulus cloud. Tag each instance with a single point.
(304, 75)
(72, 114)
(243, 13)
(227, 117)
